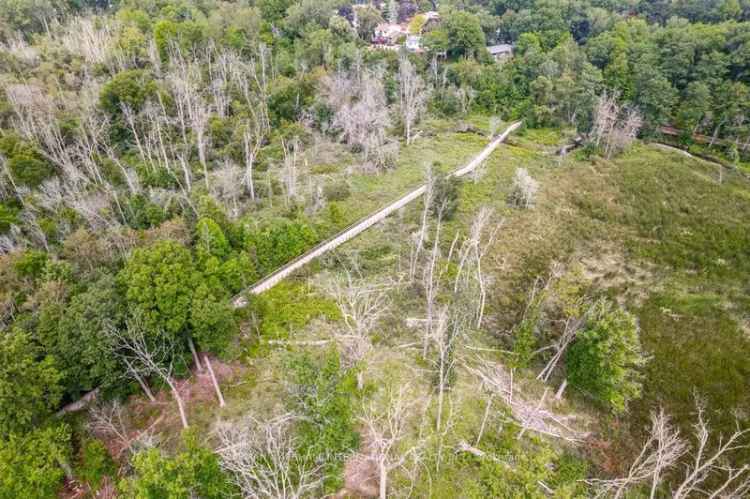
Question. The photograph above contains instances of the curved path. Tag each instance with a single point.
(355, 229)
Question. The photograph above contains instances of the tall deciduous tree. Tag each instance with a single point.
(465, 34)
(159, 282)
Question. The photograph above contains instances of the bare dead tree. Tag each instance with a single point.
(111, 420)
(151, 131)
(465, 96)
(36, 118)
(572, 324)
(470, 279)
(145, 356)
(612, 131)
(387, 431)
(228, 187)
(261, 457)
(605, 118)
(219, 62)
(706, 463)
(199, 116)
(431, 278)
(625, 132)
(8, 186)
(413, 95)
(17, 45)
(214, 381)
(361, 114)
(523, 191)
(91, 38)
(494, 125)
(444, 333)
(663, 450)
(420, 236)
(193, 109)
(529, 414)
(289, 172)
(252, 78)
(36, 234)
(362, 305)
(252, 139)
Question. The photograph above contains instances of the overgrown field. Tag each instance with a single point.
(653, 230)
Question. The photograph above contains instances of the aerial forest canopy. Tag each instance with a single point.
(538, 328)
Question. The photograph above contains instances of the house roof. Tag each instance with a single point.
(503, 48)
(390, 29)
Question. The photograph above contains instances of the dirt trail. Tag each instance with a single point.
(353, 230)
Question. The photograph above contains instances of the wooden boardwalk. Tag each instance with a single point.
(355, 229)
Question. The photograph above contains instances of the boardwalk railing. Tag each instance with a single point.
(356, 228)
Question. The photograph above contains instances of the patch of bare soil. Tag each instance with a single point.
(144, 417)
(360, 475)
(162, 415)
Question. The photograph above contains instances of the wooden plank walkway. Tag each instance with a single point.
(355, 229)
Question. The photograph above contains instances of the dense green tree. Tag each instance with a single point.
(192, 472)
(273, 10)
(30, 464)
(279, 242)
(159, 282)
(212, 320)
(76, 336)
(655, 96)
(307, 15)
(8, 217)
(132, 87)
(26, 163)
(30, 386)
(436, 41)
(465, 35)
(287, 98)
(605, 357)
(210, 240)
(94, 463)
(695, 107)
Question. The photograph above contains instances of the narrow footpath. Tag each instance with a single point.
(355, 229)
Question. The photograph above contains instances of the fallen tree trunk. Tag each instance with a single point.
(80, 404)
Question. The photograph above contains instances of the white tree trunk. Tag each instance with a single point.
(214, 381)
(484, 420)
(383, 479)
(196, 359)
(141, 382)
(180, 403)
(561, 390)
